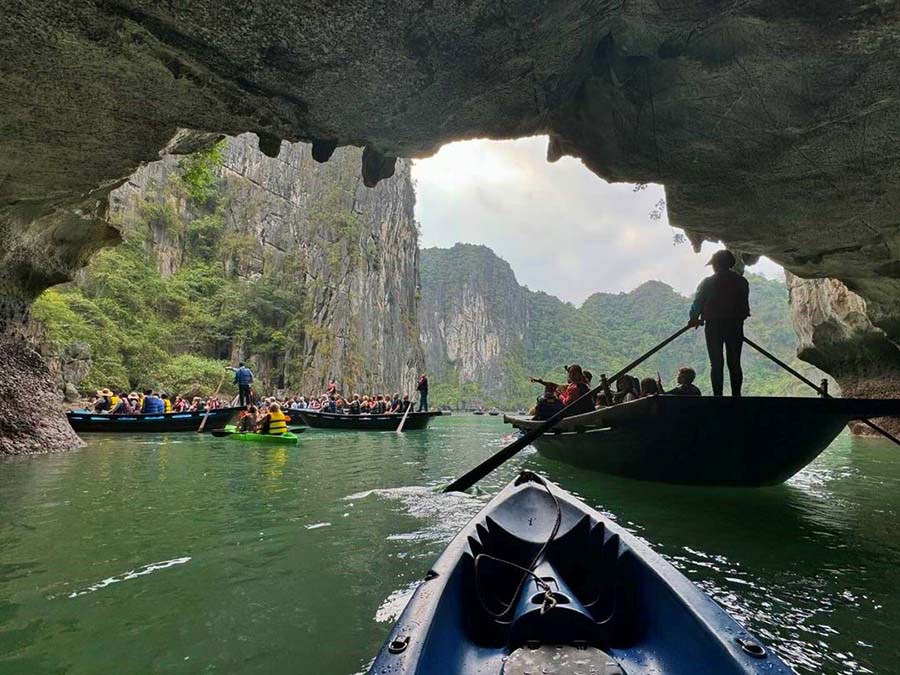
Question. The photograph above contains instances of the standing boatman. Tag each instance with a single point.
(243, 378)
(422, 388)
(722, 303)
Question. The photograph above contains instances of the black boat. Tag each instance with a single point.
(83, 421)
(387, 422)
(538, 582)
(749, 441)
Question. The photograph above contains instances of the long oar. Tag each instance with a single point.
(403, 421)
(469, 479)
(819, 389)
(216, 395)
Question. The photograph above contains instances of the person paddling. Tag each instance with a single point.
(243, 378)
(722, 303)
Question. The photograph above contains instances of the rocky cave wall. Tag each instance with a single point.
(773, 123)
(836, 334)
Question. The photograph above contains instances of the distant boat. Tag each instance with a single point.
(388, 422)
(493, 412)
(749, 441)
(538, 582)
(478, 411)
(84, 421)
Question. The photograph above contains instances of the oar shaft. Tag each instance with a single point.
(469, 479)
(206, 416)
(819, 389)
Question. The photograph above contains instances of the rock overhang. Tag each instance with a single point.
(773, 124)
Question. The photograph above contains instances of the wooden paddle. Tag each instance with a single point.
(221, 433)
(469, 479)
(216, 395)
(820, 390)
(403, 421)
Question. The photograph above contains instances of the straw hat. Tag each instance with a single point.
(104, 392)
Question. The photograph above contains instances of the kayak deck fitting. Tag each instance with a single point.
(598, 601)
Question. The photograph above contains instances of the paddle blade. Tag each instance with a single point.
(220, 433)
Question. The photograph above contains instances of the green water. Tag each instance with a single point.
(189, 554)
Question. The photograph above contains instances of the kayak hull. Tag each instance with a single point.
(289, 438)
(87, 422)
(617, 607)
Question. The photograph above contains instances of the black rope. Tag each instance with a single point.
(549, 600)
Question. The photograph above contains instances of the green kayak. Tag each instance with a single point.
(230, 431)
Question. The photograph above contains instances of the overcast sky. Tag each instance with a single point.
(561, 228)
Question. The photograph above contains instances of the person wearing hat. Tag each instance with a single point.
(104, 401)
(722, 304)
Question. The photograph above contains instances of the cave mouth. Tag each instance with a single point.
(563, 229)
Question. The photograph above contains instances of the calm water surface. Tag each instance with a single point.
(194, 554)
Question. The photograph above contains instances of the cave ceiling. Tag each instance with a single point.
(774, 125)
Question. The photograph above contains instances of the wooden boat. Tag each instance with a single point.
(478, 412)
(84, 421)
(750, 441)
(387, 422)
(231, 433)
(493, 412)
(538, 582)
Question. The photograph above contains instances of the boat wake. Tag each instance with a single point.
(444, 512)
(150, 568)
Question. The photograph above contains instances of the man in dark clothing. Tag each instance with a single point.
(422, 388)
(243, 378)
(685, 387)
(722, 303)
(548, 404)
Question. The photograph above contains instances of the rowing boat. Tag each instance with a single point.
(387, 422)
(749, 441)
(84, 421)
(538, 582)
(287, 438)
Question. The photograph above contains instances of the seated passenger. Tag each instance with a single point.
(274, 423)
(354, 407)
(122, 407)
(574, 391)
(649, 387)
(104, 401)
(406, 404)
(686, 386)
(548, 404)
(625, 390)
(247, 420)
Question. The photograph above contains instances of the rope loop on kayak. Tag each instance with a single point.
(549, 601)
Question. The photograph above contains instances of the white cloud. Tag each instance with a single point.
(561, 228)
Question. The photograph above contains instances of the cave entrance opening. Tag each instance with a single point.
(562, 229)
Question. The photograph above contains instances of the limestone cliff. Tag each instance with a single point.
(355, 251)
(484, 334)
(837, 335)
(472, 317)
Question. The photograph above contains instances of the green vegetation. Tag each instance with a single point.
(604, 334)
(148, 329)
